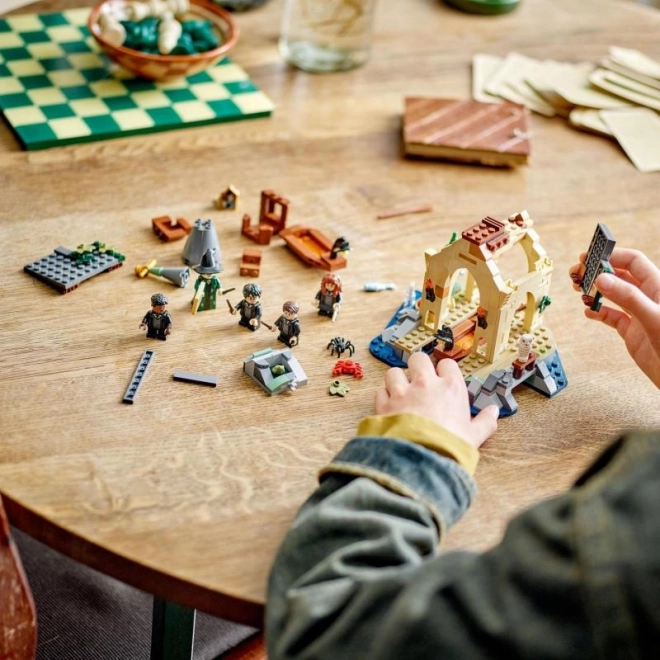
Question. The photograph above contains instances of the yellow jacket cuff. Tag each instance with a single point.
(424, 432)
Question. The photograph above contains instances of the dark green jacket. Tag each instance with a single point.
(359, 575)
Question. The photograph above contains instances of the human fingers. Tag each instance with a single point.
(448, 368)
(632, 300)
(381, 400)
(638, 265)
(420, 367)
(614, 318)
(396, 381)
(483, 426)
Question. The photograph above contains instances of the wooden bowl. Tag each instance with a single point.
(168, 67)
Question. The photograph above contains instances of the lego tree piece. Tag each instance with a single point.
(251, 262)
(138, 376)
(315, 248)
(275, 371)
(494, 134)
(203, 238)
(596, 262)
(65, 269)
(88, 111)
(168, 229)
(337, 388)
(228, 199)
(198, 379)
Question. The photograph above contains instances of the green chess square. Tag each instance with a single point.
(56, 88)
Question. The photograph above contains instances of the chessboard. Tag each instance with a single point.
(57, 88)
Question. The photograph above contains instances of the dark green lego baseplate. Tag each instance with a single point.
(484, 6)
(57, 88)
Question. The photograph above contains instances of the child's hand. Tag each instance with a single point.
(439, 394)
(635, 288)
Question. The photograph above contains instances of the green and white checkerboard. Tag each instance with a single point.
(56, 88)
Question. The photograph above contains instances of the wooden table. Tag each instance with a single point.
(188, 492)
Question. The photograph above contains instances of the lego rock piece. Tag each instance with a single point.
(138, 376)
(275, 371)
(337, 388)
(468, 131)
(251, 262)
(65, 269)
(168, 229)
(203, 238)
(198, 379)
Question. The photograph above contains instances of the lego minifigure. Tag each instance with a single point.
(288, 324)
(207, 284)
(524, 346)
(328, 299)
(250, 307)
(157, 321)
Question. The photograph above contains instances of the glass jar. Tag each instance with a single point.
(327, 35)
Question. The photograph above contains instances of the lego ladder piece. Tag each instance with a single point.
(138, 376)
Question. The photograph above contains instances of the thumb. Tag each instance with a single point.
(484, 425)
(631, 299)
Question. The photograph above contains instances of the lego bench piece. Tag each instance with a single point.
(495, 134)
(199, 379)
(138, 376)
(65, 269)
(170, 230)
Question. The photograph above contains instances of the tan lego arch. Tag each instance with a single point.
(478, 250)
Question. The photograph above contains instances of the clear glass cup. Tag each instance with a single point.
(327, 35)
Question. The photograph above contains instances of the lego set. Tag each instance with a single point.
(468, 311)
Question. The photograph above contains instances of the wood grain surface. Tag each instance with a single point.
(188, 492)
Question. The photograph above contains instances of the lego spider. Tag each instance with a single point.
(340, 345)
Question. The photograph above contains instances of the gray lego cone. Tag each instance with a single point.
(176, 275)
(202, 238)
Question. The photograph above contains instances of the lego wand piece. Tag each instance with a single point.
(270, 327)
(231, 307)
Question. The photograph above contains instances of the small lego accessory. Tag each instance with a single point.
(157, 321)
(198, 379)
(337, 388)
(595, 263)
(175, 274)
(379, 286)
(339, 345)
(207, 284)
(249, 308)
(288, 324)
(138, 376)
(395, 213)
(228, 199)
(348, 367)
(329, 298)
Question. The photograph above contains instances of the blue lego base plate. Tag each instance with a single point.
(57, 88)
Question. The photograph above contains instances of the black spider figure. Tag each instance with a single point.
(339, 344)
